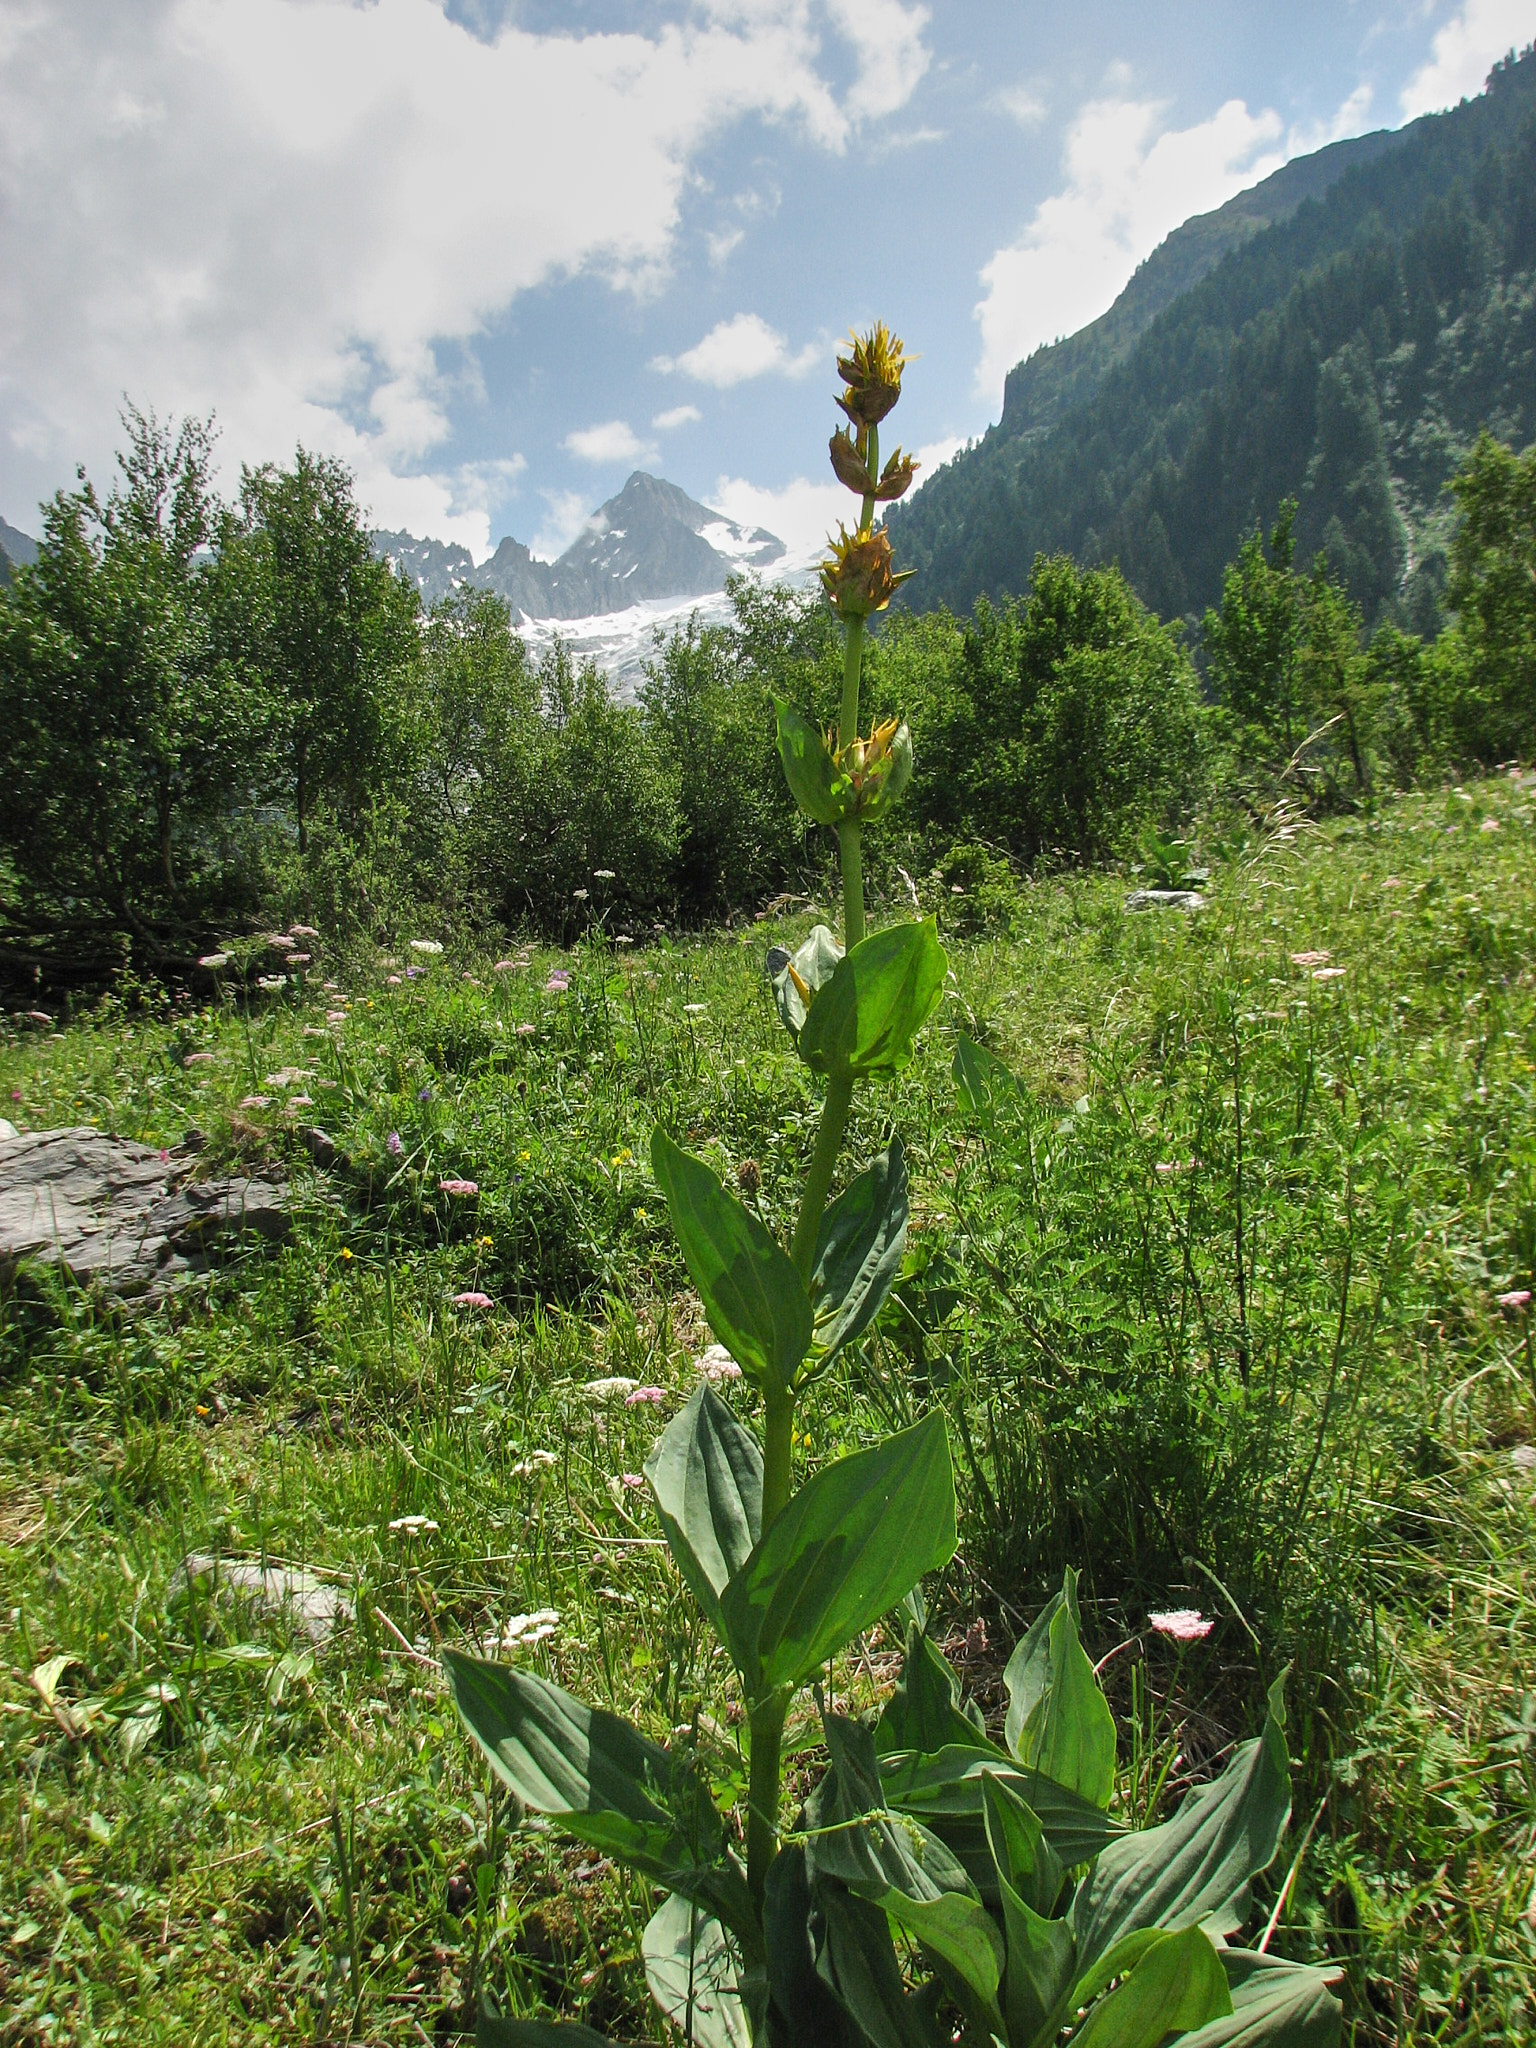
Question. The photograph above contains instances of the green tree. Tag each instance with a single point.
(1250, 642)
(129, 733)
(1492, 592)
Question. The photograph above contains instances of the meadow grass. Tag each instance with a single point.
(1212, 1301)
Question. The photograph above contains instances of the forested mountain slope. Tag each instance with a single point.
(1347, 356)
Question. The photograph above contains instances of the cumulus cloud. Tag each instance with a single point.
(566, 513)
(676, 416)
(803, 511)
(1350, 119)
(735, 350)
(304, 213)
(1022, 104)
(1464, 51)
(613, 441)
(1129, 182)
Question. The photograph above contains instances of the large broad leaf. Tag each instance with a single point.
(814, 781)
(1059, 1721)
(844, 1550)
(692, 1971)
(1274, 2005)
(492, 2031)
(1016, 1837)
(856, 1961)
(797, 976)
(707, 1475)
(925, 1713)
(755, 1300)
(945, 1792)
(859, 1250)
(898, 1864)
(865, 1019)
(1177, 1984)
(1195, 1869)
(1041, 1951)
(804, 2007)
(604, 1781)
(983, 1084)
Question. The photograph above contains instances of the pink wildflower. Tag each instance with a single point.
(717, 1364)
(631, 1479)
(526, 1030)
(472, 1298)
(458, 1187)
(1327, 973)
(643, 1395)
(1517, 1297)
(255, 1101)
(557, 983)
(391, 981)
(1183, 1624)
(1315, 958)
(305, 931)
(393, 1146)
(504, 966)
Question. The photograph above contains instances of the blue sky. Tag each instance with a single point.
(497, 253)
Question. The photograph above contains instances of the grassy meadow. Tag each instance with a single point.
(1212, 1301)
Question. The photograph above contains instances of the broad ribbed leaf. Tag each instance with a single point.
(1274, 2005)
(692, 1972)
(814, 782)
(859, 1250)
(755, 1300)
(983, 1084)
(924, 1713)
(706, 1472)
(814, 962)
(1037, 1983)
(1016, 1837)
(1195, 1869)
(844, 1550)
(857, 1963)
(944, 1791)
(605, 1782)
(865, 1019)
(1178, 1984)
(1059, 1721)
(897, 1864)
(805, 2008)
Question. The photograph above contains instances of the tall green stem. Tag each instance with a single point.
(767, 1721)
(818, 1183)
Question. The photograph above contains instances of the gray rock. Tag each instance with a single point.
(1165, 899)
(7, 1130)
(121, 1218)
(308, 1603)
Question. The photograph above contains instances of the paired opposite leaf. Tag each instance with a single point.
(864, 1020)
(706, 1472)
(814, 781)
(859, 1250)
(755, 1300)
(844, 1550)
(1059, 1721)
(1178, 1983)
(945, 1792)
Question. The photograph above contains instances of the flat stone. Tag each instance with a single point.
(1165, 899)
(310, 1604)
(120, 1218)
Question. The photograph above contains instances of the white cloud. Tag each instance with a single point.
(1349, 120)
(734, 350)
(803, 511)
(676, 416)
(723, 242)
(1128, 184)
(566, 513)
(1464, 51)
(1023, 105)
(613, 441)
(285, 208)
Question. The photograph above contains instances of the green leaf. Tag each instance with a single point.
(707, 1475)
(897, 1864)
(842, 1553)
(1274, 2005)
(804, 2004)
(924, 1713)
(814, 782)
(1059, 1721)
(858, 1964)
(859, 1250)
(814, 962)
(1016, 1837)
(1195, 1869)
(1178, 1984)
(983, 1084)
(878, 800)
(945, 1792)
(883, 992)
(755, 1300)
(692, 1972)
(606, 1783)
